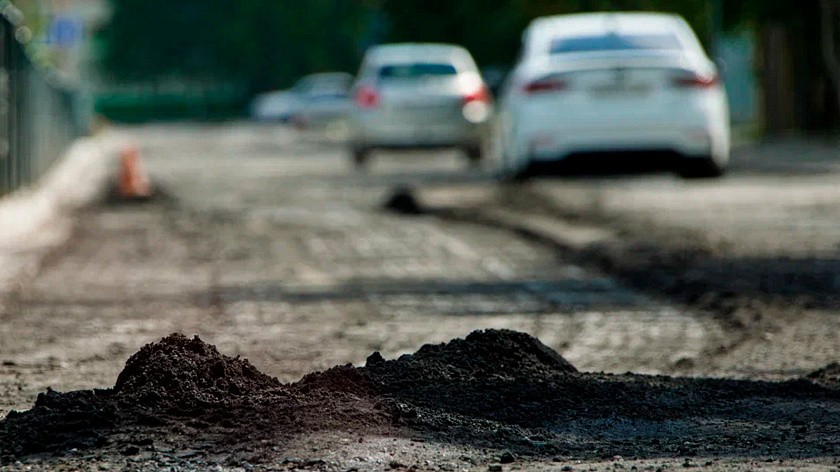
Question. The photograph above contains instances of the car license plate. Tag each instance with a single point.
(621, 89)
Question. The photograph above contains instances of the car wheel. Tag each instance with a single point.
(700, 168)
(360, 156)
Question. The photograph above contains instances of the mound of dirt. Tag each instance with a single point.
(496, 388)
(181, 374)
(483, 354)
(58, 422)
(492, 376)
(180, 387)
(341, 379)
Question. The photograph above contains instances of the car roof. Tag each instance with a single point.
(594, 23)
(413, 52)
(543, 30)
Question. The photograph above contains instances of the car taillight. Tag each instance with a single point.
(696, 81)
(480, 95)
(477, 105)
(367, 98)
(549, 84)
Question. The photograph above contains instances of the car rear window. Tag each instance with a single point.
(411, 71)
(330, 89)
(615, 42)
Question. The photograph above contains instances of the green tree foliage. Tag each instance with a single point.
(268, 43)
(260, 43)
(491, 29)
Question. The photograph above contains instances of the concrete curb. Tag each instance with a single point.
(38, 219)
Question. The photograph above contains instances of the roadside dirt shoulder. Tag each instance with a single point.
(35, 221)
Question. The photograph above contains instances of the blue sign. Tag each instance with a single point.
(65, 31)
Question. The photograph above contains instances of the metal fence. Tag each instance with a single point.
(39, 116)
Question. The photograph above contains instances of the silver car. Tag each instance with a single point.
(322, 99)
(410, 96)
(278, 105)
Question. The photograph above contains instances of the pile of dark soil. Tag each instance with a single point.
(494, 389)
(506, 390)
(185, 388)
(494, 375)
(186, 374)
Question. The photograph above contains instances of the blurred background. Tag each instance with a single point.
(207, 59)
(136, 61)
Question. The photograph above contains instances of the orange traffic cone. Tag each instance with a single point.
(132, 180)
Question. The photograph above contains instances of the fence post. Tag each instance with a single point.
(39, 112)
(5, 108)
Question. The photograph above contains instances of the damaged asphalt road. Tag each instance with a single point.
(273, 250)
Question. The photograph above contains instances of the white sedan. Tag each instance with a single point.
(419, 95)
(606, 82)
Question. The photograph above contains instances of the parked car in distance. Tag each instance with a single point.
(614, 82)
(417, 95)
(323, 99)
(277, 106)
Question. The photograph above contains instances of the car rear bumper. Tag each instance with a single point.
(692, 125)
(372, 132)
(555, 144)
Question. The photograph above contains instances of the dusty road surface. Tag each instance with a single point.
(758, 249)
(273, 248)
